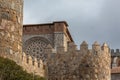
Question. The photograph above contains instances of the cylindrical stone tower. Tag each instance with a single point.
(11, 23)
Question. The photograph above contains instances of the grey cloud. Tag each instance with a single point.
(88, 20)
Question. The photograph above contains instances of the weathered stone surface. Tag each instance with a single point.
(115, 76)
(10, 38)
(73, 65)
(83, 64)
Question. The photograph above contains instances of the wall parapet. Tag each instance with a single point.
(115, 53)
(72, 65)
(80, 64)
(83, 47)
(33, 65)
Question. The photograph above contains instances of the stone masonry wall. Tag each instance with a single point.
(115, 58)
(33, 65)
(11, 16)
(83, 64)
(56, 33)
(115, 76)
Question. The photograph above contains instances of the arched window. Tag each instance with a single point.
(35, 47)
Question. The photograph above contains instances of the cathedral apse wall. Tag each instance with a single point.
(36, 37)
(11, 17)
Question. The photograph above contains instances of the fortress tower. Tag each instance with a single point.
(11, 17)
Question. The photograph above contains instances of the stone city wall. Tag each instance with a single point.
(33, 65)
(83, 64)
(115, 73)
(115, 76)
(11, 16)
(28, 63)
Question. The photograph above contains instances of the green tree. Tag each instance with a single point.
(9, 70)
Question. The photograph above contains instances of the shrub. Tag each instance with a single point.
(9, 70)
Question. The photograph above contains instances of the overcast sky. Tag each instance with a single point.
(89, 20)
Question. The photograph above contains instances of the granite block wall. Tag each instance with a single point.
(11, 17)
(83, 64)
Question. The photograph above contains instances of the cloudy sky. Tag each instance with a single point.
(89, 20)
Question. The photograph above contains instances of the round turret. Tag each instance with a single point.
(11, 17)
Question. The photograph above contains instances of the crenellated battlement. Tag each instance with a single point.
(73, 63)
(67, 63)
(96, 48)
(27, 59)
(30, 64)
(115, 53)
(33, 65)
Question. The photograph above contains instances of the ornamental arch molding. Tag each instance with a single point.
(35, 47)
